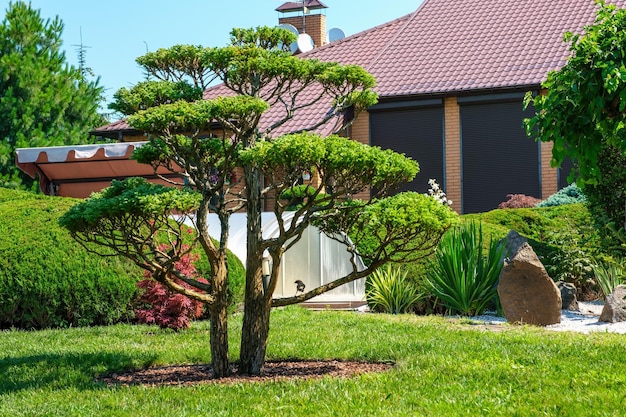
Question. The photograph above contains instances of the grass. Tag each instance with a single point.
(443, 368)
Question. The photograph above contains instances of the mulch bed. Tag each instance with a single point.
(272, 371)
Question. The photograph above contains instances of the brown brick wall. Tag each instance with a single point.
(360, 132)
(313, 24)
(360, 129)
(452, 134)
(549, 178)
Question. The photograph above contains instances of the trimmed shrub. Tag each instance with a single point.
(236, 280)
(387, 290)
(49, 280)
(461, 277)
(571, 194)
(518, 201)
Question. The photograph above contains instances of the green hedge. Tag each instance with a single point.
(563, 237)
(49, 280)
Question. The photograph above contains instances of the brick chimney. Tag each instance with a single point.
(307, 16)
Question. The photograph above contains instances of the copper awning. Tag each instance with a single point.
(79, 170)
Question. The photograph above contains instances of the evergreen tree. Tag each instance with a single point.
(43, 100)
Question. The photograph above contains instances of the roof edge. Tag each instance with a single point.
(462, 92)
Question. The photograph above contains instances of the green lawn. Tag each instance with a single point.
(443, 368)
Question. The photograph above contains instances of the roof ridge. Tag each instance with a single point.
(411, 16)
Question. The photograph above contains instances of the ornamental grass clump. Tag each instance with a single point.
(609, 276)
(387, 290)
(461, 277)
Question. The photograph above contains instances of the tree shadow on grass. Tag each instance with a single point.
(58, 371)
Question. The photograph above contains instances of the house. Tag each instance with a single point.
(451, 79)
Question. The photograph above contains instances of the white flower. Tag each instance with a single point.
(437, 193)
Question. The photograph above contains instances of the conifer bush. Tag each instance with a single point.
(605, 200)
(568, 195)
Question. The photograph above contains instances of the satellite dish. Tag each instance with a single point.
(335, 34)
(305, 42)
(291, 28)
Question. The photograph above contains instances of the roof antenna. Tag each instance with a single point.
(146, 72)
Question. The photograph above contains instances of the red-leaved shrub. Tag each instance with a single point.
(166, 308)
(518, 201)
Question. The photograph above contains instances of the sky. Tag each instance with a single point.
(115, 32)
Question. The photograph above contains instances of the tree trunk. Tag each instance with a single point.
(256, 324)
(220, 361)
(257, 308)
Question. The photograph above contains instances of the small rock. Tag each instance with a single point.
(614, 309)
(568, 295)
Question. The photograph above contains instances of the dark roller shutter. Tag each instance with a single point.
(566, 167)
(497, 156)
(418, 133)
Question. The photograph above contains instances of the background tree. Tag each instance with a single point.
(43, 100)
(583, 113)
(231, 161)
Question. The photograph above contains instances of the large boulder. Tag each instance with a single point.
(527, 293)
(614, 309)
(568, 295)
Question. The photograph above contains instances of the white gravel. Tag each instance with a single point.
(584, 321)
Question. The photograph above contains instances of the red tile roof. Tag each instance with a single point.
(112, 130)
(301, 119)
(452, 47)
(446, 47)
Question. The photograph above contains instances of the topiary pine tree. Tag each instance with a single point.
(43, 101)
(205, 141)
